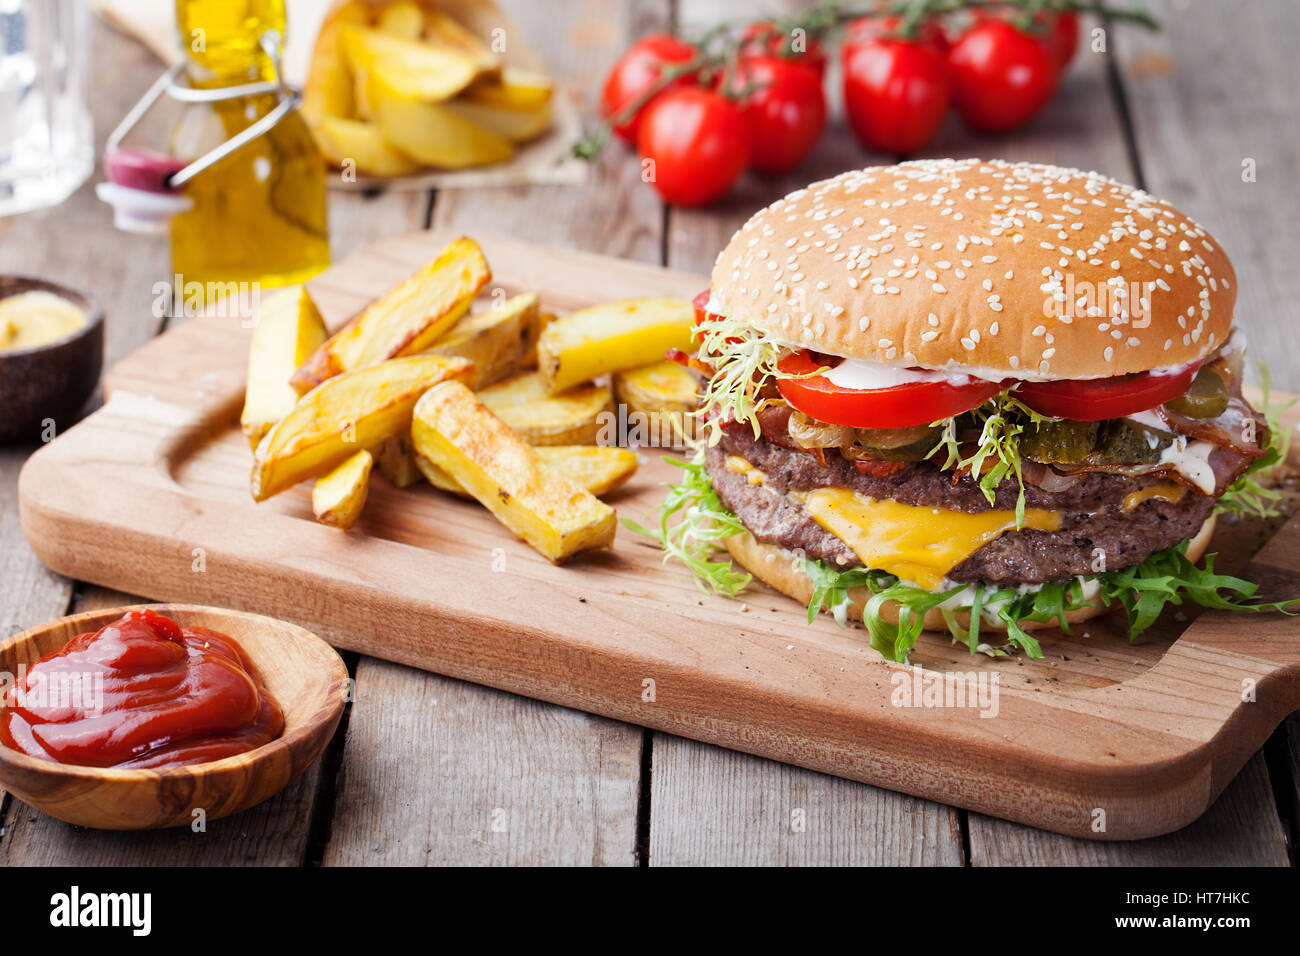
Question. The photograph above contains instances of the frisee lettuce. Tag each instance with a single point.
(1143, 590)
(1002, 421)
(743, 359)
(704, 522)
(1249, 494)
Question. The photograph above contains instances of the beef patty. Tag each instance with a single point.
(1092, 517)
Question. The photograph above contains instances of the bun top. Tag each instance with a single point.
(1002, 269)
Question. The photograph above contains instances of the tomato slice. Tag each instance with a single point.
(914, 403)
(702, 315)
(1097, 399)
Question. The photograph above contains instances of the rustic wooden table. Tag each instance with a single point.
(428, 770)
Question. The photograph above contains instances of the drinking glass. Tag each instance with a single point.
(47, 146)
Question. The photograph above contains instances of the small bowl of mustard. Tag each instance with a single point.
(51, 354)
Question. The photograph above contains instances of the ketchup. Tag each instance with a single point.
(140, 692)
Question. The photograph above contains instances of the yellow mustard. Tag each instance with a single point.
(37, 318)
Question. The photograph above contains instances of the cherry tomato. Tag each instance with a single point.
(1059, 36)
(929, 31)
(1001, 76)
(1097, 399)
(634, 73)
(896, 92)
(786, 110)
(782, 45)
(1061, 39)
(698, 143)
(916, 403)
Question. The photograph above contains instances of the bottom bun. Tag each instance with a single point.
(778, 568)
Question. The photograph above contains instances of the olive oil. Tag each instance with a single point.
(258, 215)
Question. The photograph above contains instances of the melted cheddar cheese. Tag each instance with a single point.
(916, 544)
(1166, 491)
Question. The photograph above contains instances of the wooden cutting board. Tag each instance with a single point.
(1100, 739)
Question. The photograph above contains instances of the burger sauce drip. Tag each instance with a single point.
(140, 692)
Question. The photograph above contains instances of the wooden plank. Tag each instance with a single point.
(1240, 829)
(67, 242)
(717, 807)
(1156, 730)
(438, 771)
(613, 213)
(713, 807)
(586, 813)
(1210, 104)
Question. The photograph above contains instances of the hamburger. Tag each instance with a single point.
(970, 395)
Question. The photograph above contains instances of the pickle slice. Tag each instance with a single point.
(1207, 398)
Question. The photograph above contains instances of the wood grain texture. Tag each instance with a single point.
(597, 760)
(300, 672)
(1241, 829)
(439, 772)
(715, 807)
(1213, 97)
(1157, 730)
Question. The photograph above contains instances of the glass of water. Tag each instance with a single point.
(47, 146)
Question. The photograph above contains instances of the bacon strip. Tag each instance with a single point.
(1240, 428)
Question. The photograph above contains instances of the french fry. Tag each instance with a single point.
(457, 433)
(518, 126)
(329, 86)
(413, 69)
(663, 395)
(516, 89)
(498, 341)
(350, 412)
(346, 140)
(338, 497)
(612, 337)
(407, 320)
(442, 30)
(431, 132)
(403, 19)
(598, 468)
(573, 417)
(289, 329)
(396, 458)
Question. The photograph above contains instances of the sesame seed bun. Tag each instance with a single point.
(969, 264)
(777, 567)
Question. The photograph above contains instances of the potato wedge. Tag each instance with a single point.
(338, 497)
(443, 31)
(661, 396)
(288, 331)
(456, 432)
(402, 19)
(430, 132)
(407, 320)
(497, 341)
(598, 468)
(414, 69)
(516, 89)
(573, 417)
(611, 337)
(396, 458)
(350, 412)
(328, 88)
(519, 126)
(346, 140)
